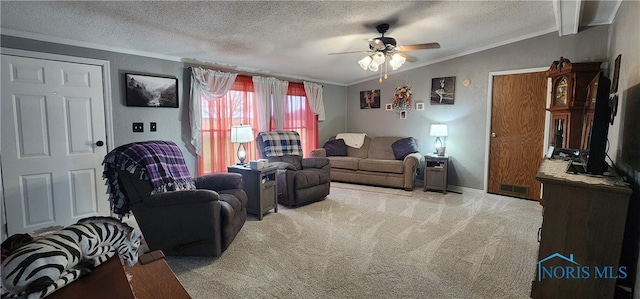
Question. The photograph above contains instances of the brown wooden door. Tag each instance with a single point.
(517, 134)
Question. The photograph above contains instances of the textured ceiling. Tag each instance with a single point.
(288, 38)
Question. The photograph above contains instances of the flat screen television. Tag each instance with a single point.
(596, 140)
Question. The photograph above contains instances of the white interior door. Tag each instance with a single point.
(53, 142)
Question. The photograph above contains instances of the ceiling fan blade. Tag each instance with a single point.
(419, 47)
(408, 57)
(349, 52)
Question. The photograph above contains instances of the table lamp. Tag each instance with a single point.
(241, 134)
(439, 130)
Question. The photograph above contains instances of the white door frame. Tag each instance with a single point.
(108, 108)
(547, 117)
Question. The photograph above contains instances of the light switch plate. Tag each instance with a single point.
(138, 127)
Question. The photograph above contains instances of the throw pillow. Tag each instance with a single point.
(403, 147)
(336, 147)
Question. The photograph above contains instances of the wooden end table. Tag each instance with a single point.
(261, 188)
(435, 172)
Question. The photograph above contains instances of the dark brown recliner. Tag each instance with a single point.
(177, 214)
(300, 180)
(203, 221)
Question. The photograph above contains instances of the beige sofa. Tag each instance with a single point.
(373, 164)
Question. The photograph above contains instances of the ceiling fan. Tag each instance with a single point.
(385, 48)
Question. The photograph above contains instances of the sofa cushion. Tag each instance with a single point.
(380, 148)
(378, 165)
(350, 163)
(310, 178)
(404, 147)
(335, 147)
(361, 152)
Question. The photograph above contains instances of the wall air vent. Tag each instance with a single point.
(521, 190)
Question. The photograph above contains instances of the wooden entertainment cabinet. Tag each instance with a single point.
(583, 220)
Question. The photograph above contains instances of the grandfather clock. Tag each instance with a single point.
(568, 99)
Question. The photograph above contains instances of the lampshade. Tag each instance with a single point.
(439, 130)
(364, 62)
(378, 58)
(396, 61)
(373, 66)
(241, 134)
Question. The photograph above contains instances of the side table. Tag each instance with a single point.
(261, 188)
(435, 172)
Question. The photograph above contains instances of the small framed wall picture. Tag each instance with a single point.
(616, 74)
(389, 107)
(419, 106)
(370, 99)
(443, 90)
(403, 114)
(151, 91)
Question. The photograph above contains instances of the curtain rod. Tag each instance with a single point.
(259, 74)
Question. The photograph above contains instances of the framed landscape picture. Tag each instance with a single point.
(443, 90)
(151, 91)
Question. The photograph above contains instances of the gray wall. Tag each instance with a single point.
(336, 114)
(467, 117)
(624, 134)
(169, 120)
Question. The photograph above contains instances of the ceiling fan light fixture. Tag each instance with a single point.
(365, 62)
(373, 66)
(396, 61)
(378, 58)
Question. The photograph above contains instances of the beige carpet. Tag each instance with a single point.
(370, 242)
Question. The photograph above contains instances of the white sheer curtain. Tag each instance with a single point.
(263, 96)
(279, 99)
(266, 89)
(314, 97)
(209, 85)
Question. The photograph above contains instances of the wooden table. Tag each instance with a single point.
(154, 280)
(261, 188)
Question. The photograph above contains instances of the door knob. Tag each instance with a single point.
(99, 143)
(493, 134)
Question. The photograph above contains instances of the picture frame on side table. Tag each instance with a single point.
(150, 91)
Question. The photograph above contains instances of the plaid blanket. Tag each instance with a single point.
(278, 144)
(159, 162)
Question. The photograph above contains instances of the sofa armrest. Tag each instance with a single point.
(219, 181)
(411, 161)
(314, 162)
(319, 152)
(182, 197)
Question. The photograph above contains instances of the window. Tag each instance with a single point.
(237, 107)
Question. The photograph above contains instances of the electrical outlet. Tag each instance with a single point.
(152, 127)
(138, 127)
